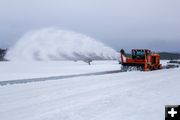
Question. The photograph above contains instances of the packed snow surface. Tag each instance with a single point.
(23, 70)
(56, 44)
(121, 96)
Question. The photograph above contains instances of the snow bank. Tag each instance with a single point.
(56, 44)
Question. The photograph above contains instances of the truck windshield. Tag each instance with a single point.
(138, 54)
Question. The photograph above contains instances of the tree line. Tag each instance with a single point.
(164, 55)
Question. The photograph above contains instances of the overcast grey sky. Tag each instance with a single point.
(153, 24)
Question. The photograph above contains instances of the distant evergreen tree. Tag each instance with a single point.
(2, 54)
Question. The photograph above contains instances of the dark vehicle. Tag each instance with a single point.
(173, 64)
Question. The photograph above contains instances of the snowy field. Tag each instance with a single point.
(23, 70)
(119, 96)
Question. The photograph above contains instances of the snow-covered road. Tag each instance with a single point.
(30, 70)
(40, 79)
(121, 96)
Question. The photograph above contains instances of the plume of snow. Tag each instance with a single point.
(56, 44)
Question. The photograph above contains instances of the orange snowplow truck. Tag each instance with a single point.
(141, 59)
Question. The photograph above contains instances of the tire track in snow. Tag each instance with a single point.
(23, 81)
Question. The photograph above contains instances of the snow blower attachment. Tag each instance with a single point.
(141, 59)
